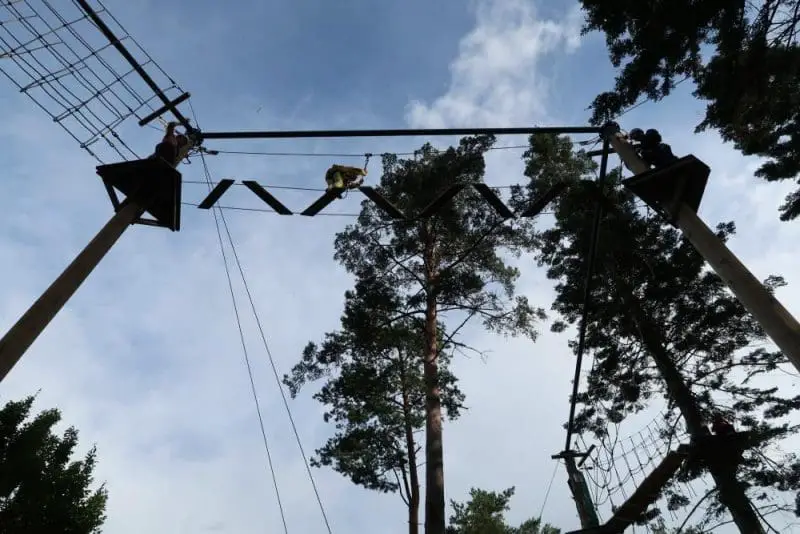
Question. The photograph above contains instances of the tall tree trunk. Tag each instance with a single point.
(434, 455)
(413, 493)
(731, 493)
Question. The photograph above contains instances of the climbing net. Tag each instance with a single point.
(619, 463)
(53, 53)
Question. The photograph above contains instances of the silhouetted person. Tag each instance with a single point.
(651, 148)
(172, 146)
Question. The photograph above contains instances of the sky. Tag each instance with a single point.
(146, 361)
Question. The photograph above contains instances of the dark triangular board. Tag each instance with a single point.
(262, 193)
(601, 529)
(215, 194)
(492, 198)
(151, 182)
(382, 203)
(546, 198)
(443, 199)
(320, 204)
(683, 181)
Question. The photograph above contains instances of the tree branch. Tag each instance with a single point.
(475, 245)
(402, 485)
(400, 264)
(694, 509)
(449, 338)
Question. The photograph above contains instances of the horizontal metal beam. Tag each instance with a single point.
(421, 132)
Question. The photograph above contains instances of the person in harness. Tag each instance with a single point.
(173, 147)
(343, 177)
(651, 148)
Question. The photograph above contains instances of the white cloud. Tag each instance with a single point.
(498, 76)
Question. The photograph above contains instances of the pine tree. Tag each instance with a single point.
(437, 271)
(484, 514)
(654, 301)
(374, 391)
(41, 488)
(750, 77)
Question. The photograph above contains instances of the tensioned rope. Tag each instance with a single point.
(268, 351)
(248, 365)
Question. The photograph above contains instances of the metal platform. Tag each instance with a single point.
(664, 189)
(152, 183)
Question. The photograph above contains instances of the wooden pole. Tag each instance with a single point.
(774, 318)
(22, 335)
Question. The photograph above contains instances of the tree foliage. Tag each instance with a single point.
(374, 393)
(652, 294)
(749, 76)
(419, 282)
(484, 513)
(41, 489)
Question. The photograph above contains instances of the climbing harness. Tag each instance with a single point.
(343, 178)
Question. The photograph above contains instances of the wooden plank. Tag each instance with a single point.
(267, 197)
(215, 194)
(382, 203)
(540, 203)
(443, 199)
(321, 202)
(492, 198)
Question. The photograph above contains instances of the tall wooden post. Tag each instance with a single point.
(151, 186)
(33, 322)
(579, 489)
(670, 197)
(667, 190)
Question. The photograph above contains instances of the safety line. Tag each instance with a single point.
(361, 155)
(267, 349)
(249, 368)
(276, 375)
(244, 345)
(549, 487)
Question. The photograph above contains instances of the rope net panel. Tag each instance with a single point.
(53, 53)
(619, 464)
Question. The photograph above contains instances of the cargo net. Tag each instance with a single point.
(55, 54)
(618, 465)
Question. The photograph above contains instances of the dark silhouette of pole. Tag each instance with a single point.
(579, 489)
(22, 335)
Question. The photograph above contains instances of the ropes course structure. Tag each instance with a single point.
(621, 465)
(618, 465)
(53, 53)
(82, 68)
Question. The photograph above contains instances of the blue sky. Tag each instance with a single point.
(145, 360)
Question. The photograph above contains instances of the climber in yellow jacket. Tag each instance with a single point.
(341, 177)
